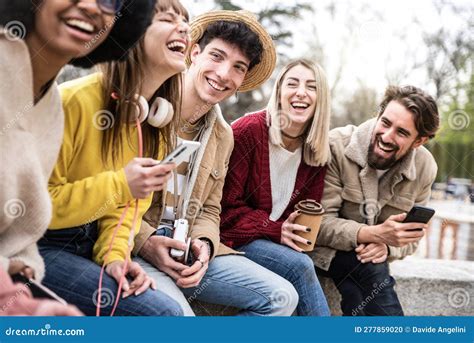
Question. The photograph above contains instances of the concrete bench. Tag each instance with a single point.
(425, 288)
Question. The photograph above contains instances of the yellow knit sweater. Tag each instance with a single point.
(82, 188)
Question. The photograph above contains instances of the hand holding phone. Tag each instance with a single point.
(419, 214)
(182, 153)
(145, 175)
(37, 289)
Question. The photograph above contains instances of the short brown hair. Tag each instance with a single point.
(419, 103)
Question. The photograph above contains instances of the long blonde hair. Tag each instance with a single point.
(316, 150)
(126, 78)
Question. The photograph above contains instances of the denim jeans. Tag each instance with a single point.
(233, 280)
(72, 274)
(297, 268)
(367, 289)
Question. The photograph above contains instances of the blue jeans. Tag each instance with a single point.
(72, 274)
(294, 266)
(233, 280)
(367, 289)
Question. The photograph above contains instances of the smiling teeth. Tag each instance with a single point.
(180, 45)
(215, 85)
(85, 26)
(384, 147)
(299, 104)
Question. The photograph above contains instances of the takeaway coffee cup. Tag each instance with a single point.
(310, 216)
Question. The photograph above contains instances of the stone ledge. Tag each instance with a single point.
(425, 288)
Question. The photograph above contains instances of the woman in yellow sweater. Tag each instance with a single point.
(98, 171)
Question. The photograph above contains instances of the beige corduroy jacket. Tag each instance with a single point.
(354, 197)
(205, 188)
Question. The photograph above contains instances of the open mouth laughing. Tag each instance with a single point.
(298, 105)
(81, 28)
(386, 148)
(177, 46)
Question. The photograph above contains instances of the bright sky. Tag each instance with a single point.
(381, 39)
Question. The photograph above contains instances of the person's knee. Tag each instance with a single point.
(302, 266)
(153, 303)
(376, 272)
(173, 309)
(284, 300)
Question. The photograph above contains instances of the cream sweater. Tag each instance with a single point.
(30, 138)
(284, 166)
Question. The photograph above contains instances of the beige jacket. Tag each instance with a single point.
(353, 196)
(30, 138)
(204, 205)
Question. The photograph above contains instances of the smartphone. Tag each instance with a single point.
(182, 153)
(37, 290)
(419, 214)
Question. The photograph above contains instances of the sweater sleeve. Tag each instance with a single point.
(240, 223)
(94, 195)
(107, 225)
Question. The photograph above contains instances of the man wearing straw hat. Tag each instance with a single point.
(230, 52)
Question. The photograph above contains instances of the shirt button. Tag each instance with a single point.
(216, 172)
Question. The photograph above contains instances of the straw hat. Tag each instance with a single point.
(261, 71)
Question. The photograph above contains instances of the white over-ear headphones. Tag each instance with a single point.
(159, 115)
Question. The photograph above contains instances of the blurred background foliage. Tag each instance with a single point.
(444, 56)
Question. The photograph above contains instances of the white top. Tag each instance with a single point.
(283, 169)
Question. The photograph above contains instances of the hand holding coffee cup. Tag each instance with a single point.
(311, 214)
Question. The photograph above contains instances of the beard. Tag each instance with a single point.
(382, 163)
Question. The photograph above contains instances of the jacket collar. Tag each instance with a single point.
(358, 146)
(210, 119)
